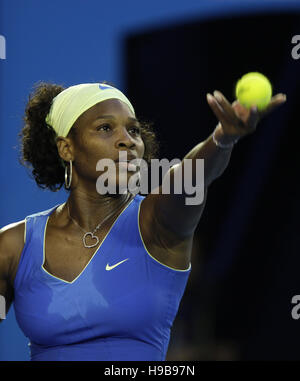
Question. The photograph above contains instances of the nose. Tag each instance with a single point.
(124, 139)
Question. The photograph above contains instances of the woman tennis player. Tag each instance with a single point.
(101, 276)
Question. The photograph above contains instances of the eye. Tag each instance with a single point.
(137, 130)
(103, 126)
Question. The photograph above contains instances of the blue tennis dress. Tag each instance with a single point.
(120, 307)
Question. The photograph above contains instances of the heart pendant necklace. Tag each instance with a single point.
(90, 235)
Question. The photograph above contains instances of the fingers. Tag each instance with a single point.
(225, 105)
(275, 102)
(228, 109)
(278, 99)
(217, 109)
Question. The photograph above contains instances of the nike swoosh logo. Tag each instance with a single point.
(104, 87)
(108, 268)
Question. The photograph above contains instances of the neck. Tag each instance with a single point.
(88, 211)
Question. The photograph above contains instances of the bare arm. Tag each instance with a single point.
(5, 288)
(11, 244)
(171, 210)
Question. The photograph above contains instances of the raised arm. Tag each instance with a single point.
(235, 121)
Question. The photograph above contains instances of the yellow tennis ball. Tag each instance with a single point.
(254, 89)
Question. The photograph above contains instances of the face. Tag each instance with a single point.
(101, 133)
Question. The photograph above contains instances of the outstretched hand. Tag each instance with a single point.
(237, 120)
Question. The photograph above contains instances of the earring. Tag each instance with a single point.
(68, 184)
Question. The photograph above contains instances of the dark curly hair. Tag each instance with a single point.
(38, 149)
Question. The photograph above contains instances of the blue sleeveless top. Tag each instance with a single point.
(120, 307)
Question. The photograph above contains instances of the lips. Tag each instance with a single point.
(129, 158)
(126, 165)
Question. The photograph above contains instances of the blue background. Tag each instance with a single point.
(70, 42)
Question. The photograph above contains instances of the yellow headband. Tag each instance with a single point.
(68, 105)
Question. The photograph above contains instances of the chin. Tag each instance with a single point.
(123, 182)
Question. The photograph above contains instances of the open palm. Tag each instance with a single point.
(237, 120)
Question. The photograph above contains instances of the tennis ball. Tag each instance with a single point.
(254, 89)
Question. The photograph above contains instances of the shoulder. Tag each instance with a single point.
(12, 232)
(11, 245)
(149, 218)
(162, 243)
(12, 241)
